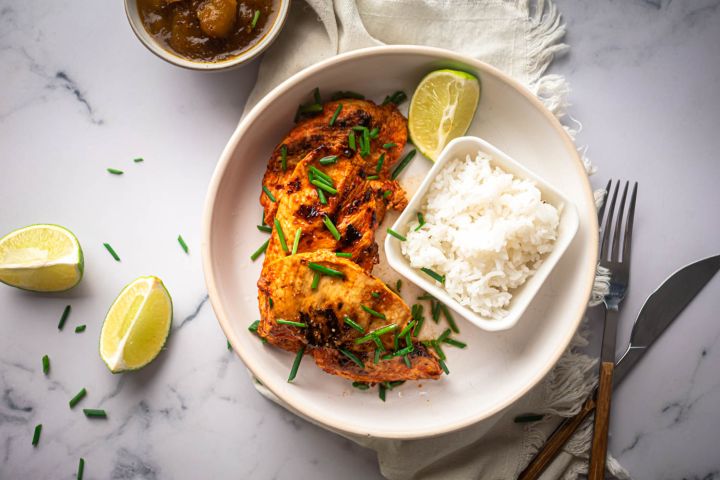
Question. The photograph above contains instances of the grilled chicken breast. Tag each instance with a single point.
(286, 294)
(316, 134)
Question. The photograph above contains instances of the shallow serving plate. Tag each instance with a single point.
(496, 368)
(522, 296)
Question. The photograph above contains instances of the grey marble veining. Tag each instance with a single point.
(80, 94)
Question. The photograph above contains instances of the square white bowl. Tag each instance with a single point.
(521, 296)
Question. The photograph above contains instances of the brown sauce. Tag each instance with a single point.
(207, 30)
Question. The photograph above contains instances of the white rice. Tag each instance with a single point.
(485, 230)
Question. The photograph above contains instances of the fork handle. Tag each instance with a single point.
(598, 452)
(555, 442)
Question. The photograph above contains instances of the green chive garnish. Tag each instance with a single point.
(435, 310)
(270, 302)
(343, 254)
(296, 242)
(80, 329)
(380, 161)
(269, 194)
(325, 270)
(374, 132)
(455, 343)
(349, 321)
(389, 145)
(375, 294)
(331, 226)
(296, 364)
(291, 323)
(421, 221)
(378, 343)
(112, 251)
(396, 234)
(381, 391)
(315, 281)
(378, 352)
(439, 350)
(138, 159)
(444, 335)
(375, 334)
(397, 98)
(254, 326)
(316, 95)
(115, 171)
(335, 115)
(387, 193)
(372, 177)
(352, 357)
(360, 385)
(407, 361)
(64, 317)
(259, 251)
(433, 274)
(74, 400)
(36, 434)
(81, 469)
(444, 367)
(399, 353)
(407, 328)
(351, 140)
(322, 175)
(229, 347)
(449, 318)
(264, 228)
(528, 417)
(329, 160)
(281, 235)
(359, 128)
(347, 94)
(94, 413)
(46, 364)
(398, 285)
(283, 157)
(373, 312)
(403, 163)
(256, 17)
(321, 196)
(324, 186)
(182, 243)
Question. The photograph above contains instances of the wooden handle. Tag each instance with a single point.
(598, 452)
(555, 442)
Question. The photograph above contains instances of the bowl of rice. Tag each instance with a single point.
(482, 233)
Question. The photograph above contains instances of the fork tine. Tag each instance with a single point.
(604, 202)
(629, 226)
(618, 225)
(604, 245)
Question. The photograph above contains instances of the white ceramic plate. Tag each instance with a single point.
(497, 367)
(521, 296)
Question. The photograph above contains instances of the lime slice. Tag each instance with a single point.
(137, 325)
(442, 108)
(41, 258)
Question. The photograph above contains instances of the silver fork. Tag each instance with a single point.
(618, 263)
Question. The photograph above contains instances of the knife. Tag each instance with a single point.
(657, 313)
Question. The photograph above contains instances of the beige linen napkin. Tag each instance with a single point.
(520, 37)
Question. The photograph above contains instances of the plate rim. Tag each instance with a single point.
(316, 415)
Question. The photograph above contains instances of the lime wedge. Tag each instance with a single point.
(137, 325)
(41, 258)
(441, 109)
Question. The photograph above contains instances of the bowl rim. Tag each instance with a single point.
(208, 253)
(567, 216)
(169, 56)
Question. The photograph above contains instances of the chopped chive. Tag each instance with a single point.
(528, 417)
(444, 335)
(291, 323)
(373, 312)
(80, 329)
(283, 157)
(396, 234)
(324, 186)
(296, 364)
(270, 302)
(319, 173)
(435, 310)
(115, 171)
(389, 145)
(396, 343)
(259, 251)
(455, 343)
(264, 228)
(36, 434)
(444, 367)
(439, 350)
(381, 391)
(256, 17)
(387, 193)
(253, 327)
(112, 251)
(449, 318)
(421, 221)
(403, 163)
(360, 385)
(351, 140)
(433, 274)
(94, 413)
(352, 323)
(352, 357)
(46, 364)
(426, 296)
(262, 219)
(64, 316)
(308, 110)
(81, 469)
(315, 281)
(296, 242)
(269, 194)
(316, 95)
(375, 334)
(407, 328)
(321, 196)
(325, 270)
(372, 177)
(335, 115)
(374, 132)
(331, 226)
(347, 94)
(329, 160)
(378, 343)
(398, 285)
(359, 128)
(281, 235)
(138, 159)
(378, 352)
(408, 363)
(76, 399)
(380, 161)
(397, 98)
(420, 318)
(229, 347)
(375, 294)
(182, 243)
(343, 254)
(366, 141)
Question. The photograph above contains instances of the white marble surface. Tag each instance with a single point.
(80, 94)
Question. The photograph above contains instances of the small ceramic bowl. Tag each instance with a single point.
(133, 15)
(521, 296)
